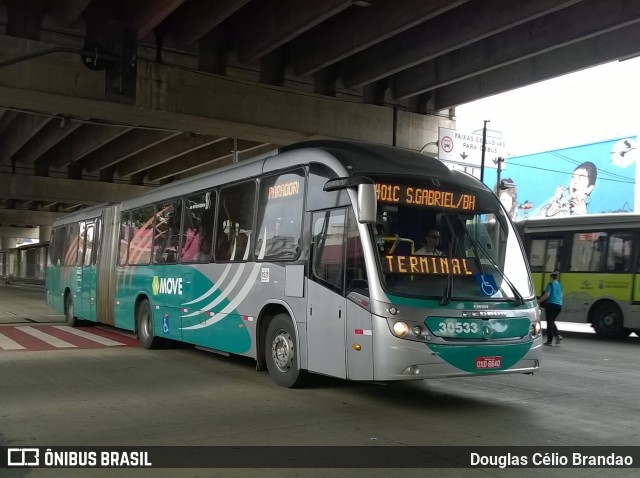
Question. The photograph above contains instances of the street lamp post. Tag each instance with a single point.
(484, 144)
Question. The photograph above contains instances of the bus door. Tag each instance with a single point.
(88, 293)
(544, 258)
(326, 306)
(338, 307)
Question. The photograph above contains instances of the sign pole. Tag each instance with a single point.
(484, 144)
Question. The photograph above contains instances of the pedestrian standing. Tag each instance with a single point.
(551, 300)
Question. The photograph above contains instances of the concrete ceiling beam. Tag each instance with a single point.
(24, 217)
(87, 139)
(71, 191)
(455, 29)
(183, 100)
(166, 151)
(124, 147)
(203, 156)
(337, 38)
(49, 136)
(19, 132)
(534, 38)
(19, 232)
(65, 12)
(145, 15)
(268, 26)
(615, 45)
(189, 25)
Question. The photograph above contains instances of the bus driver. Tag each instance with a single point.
(431, 241)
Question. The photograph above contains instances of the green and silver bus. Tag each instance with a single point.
(305, 260)
(598, 257)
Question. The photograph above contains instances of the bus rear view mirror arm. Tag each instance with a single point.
(367, 202)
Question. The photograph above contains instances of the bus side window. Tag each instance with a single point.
(587, 251)
(356, 272)
(619, 252)
(198, 227)
(235, 219)
(167, 232)
(141, 235)
(328, 248)
(279, 218)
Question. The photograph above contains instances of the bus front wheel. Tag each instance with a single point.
(282, 354)
(608, 323)
(144, 323)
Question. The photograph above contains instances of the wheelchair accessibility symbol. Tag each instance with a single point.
(165, 323)
(487, 284)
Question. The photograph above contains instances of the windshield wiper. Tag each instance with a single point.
(516, 293)
(448, 290)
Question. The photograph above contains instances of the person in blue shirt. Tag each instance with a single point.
(552, 300)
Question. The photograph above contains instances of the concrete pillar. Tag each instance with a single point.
(8, 242)
(44, 233)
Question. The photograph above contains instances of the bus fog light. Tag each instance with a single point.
(401, 329)
(535, 329)
(414, 370)
(416, 330)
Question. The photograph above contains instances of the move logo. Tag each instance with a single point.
(166, 285)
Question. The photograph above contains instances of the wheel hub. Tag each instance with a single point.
(282, 351)
(609, 320)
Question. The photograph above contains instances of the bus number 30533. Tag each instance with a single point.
(458, 327)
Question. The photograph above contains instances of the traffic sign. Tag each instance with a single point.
(466, 148)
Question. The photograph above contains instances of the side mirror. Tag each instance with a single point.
(367, 204)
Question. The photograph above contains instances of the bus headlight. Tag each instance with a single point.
(401, 329)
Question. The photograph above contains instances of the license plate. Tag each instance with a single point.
(485, 363)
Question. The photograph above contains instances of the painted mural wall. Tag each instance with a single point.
(588, 179)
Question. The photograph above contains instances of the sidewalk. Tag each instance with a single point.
(20, 304)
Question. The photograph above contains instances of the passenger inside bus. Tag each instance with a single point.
(190, 245)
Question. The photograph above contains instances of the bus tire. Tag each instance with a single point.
(72, 320)
(608, 322)
(282, 354)
(144, 324)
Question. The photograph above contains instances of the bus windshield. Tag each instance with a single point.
(439, 240)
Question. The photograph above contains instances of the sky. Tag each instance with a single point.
(588, 106)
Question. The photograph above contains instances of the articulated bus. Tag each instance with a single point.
(304, 261)
(598, 257)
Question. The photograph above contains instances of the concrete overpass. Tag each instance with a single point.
(102, 99)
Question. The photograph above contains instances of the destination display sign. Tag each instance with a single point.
(291, 188)
(434, 265)
(415, 196)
